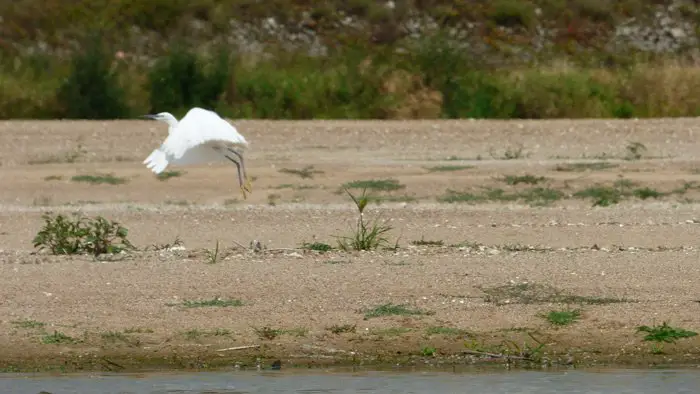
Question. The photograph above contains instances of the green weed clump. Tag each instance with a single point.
(63, 235)
(366, 235)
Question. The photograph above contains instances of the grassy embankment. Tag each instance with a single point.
(363, 77)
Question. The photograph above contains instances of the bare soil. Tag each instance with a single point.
(503, 262)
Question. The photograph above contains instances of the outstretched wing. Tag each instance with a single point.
(199, 126)
(157, 161)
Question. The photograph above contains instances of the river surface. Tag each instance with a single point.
(616, 381)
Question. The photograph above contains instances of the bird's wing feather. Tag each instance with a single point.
(157, 161)
(199, 126)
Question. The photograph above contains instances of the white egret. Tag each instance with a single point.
(201, 136)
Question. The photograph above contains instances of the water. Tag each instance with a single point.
(308, 382)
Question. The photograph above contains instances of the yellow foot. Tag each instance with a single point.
(248, 186)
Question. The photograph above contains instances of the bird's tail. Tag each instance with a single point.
(156, 161)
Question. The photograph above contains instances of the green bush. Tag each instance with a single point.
(305, 88)
(92, 89)
(80, 235)
(181, 80)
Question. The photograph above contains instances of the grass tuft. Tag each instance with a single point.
(580, 167)
(165, 175)
(28, 324)
(214, 256)
(383, 185)
(532, 196)
(57, 338)
(564, 317)
(533, 293)
(214, 302)
(526, 179)
(317, 246)
(365, 235)
(393, 310)
(447, 168)
(424, 242)
(307, 172)
(100, 179)
(341, 329)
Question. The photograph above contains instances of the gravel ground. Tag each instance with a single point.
(495, 266)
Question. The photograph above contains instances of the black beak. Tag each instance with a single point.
(152, 117)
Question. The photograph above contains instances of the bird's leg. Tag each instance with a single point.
(248, 185)
(240, 178)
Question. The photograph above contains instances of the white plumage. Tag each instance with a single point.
(201, 136)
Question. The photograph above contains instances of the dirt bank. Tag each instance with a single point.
(476, 276)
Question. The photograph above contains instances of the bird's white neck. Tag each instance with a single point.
(172, 122)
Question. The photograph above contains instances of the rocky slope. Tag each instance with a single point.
(523, 28)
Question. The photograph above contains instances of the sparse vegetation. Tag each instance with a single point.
(532, 196)
(28, 323)
(307, 172)
(213, 256)
(270, 333)
(563, 317)
(378, 185)
(580, 167)
(510, 351)
(526, 179)
(62, 235)
(447, 331)
(448, 168)
(366, 235)
(114, 336)
(393, 310)
(317, 246)
(177, 242)
(138, 330)
(53, 178)
(165, 175)
(604, 196)
(665, 333)
(424, 242)
(267, 332)
(100, 179)
(428, 351)
(214, 302)
(635, 151)
(57, 338)
(341, 329)
(534, 293)
(195, 334)
(509, 153)
(273, 199)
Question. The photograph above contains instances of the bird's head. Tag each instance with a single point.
(166, 117)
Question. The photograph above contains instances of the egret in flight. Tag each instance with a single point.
(201, 136)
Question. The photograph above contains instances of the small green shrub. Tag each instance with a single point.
(512, 13)
(92, 89)
(665, 333)
(80, 235)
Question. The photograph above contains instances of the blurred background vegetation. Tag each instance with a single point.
(304, 59)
